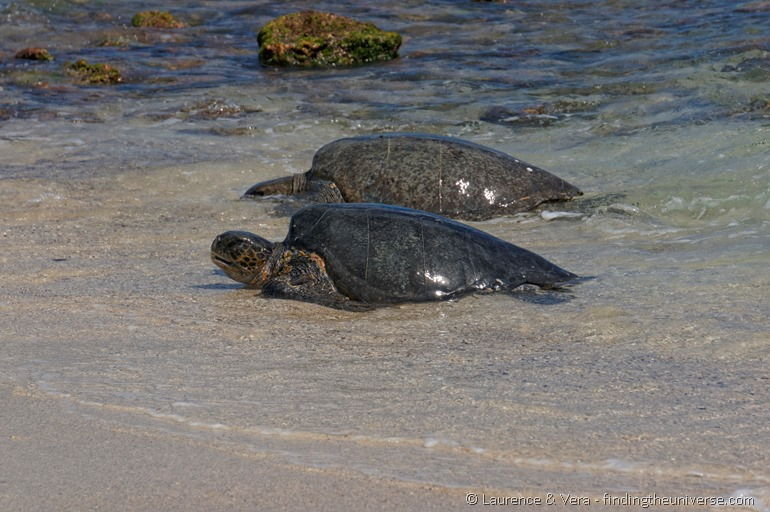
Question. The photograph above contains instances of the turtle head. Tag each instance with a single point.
(279, 186)
(243, 256)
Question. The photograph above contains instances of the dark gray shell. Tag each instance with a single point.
(442, 175)
(384, 254)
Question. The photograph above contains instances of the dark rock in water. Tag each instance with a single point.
(752, 69)
(360, 256)
(443, 175)
(756, 107)
(215, 109)
(34, 54)
(758, 6)
(538, 115)
(311, 38)
(533, 117)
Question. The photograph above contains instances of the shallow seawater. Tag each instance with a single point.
(650, 376)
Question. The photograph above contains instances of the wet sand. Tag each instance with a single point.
(57, 460)
(136, 376)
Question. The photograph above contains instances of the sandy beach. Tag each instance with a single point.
(136, 376)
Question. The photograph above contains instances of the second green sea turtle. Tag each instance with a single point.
(444, 175)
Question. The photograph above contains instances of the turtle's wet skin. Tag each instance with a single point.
(443, 175)
(360, 256)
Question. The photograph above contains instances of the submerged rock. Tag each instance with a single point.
(525, 117)
(754, 69)
(312, 38)
(34, 54)
(94, 74)
(759, 6)
(538, 115)
(33, 77)
(156, 19)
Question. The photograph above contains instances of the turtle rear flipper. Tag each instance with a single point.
(284, 186)
(310, 190)
(301, 193)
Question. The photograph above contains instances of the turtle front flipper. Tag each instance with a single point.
(302, 276)
(280, 289)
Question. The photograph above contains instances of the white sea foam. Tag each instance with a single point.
(554, 215)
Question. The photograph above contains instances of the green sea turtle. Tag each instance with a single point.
(359, 256)
(443, 175)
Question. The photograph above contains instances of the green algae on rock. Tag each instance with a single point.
(34, 54)
(156, 19)
(311, 38)
(94, 74)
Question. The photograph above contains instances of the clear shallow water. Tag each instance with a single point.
(652, 372)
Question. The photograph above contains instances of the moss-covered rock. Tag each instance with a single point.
(119, 41)
(34, 54)
(94, 74)
(312, 38)
(156, 19)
